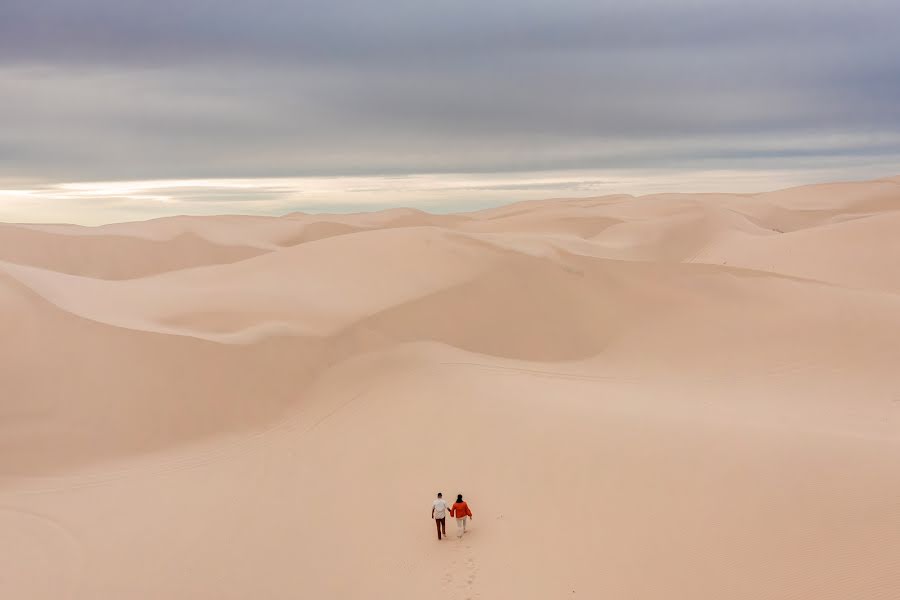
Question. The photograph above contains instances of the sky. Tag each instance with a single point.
(116, 110)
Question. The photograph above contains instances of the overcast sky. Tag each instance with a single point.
(116, 109)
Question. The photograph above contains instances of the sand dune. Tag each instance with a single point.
(862, 252)
(658, 397)
(113, 256)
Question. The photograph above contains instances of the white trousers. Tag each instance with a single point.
(460, 526)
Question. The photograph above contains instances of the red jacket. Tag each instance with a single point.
(460, 510)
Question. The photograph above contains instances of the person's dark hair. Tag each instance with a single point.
(440, 495)
(459, 497)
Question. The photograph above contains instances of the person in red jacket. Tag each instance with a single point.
(460, 510)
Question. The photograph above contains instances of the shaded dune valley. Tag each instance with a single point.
(664, 397)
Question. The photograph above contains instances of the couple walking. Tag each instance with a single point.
(460, 510)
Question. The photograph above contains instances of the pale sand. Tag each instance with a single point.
(666, 397)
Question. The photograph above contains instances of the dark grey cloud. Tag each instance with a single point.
(126, 89)
(289, 30)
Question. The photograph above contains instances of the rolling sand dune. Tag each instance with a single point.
(112, 256)
(662, 397)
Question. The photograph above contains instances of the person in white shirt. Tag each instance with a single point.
(439, 514)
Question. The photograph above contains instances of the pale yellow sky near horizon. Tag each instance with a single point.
(101, 202)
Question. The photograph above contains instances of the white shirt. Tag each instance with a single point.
(440, 505)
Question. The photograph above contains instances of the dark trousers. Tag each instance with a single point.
(441, 526)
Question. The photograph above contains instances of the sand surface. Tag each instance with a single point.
(657, 398)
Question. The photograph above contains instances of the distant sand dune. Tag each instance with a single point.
(113, 256)
(657, 397)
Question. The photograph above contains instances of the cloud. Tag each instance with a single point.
(102, 90)
(99, 202)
